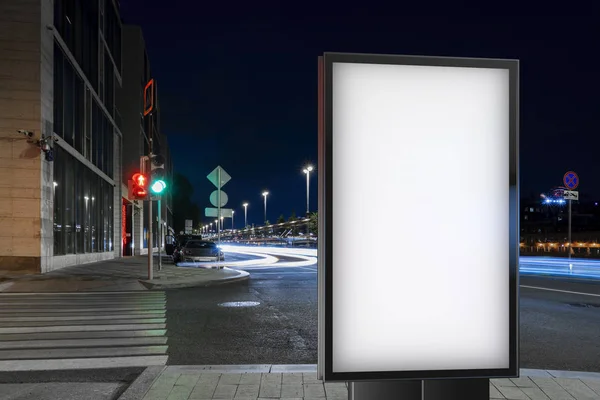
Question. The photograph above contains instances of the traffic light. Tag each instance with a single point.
(138, 187)
(157, 174)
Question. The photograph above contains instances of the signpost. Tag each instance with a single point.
(571, 181)
(421, 324)
(218, 198)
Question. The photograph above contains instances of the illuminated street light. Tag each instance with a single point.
(245, 215)
(232, 212)
(265, 194)
(307, 171)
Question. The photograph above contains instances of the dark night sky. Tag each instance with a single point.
(238, 87)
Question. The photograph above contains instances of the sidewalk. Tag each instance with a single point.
(121, 274)
(296, 382)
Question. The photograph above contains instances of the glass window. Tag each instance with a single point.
(59, 184)
(96, 131)
(80, 216)
(69, 201)
(87, 147)
(68, 103)
(79, 114)
(59, 13)
(87, 229)
(58, 90)
(83, 208)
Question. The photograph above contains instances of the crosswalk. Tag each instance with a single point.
(57, 331)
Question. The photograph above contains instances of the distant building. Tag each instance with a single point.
(60, 68)
(136, 134)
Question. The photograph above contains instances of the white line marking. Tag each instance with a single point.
(82, 363)
(561, 291)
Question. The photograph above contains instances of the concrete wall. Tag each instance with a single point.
(47, 121)
(21, 64)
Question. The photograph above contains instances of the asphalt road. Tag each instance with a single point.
(282, 329)
(558, 330)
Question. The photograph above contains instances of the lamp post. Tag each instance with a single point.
(245, 215)
(216, 226)
(307, 171)
(265, 194)
(222, 226)
(232, 212)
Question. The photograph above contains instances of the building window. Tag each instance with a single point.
(112, 32)
(83, 208)
(109, 83)
(102, 140)
(77, 24)
(69, 101)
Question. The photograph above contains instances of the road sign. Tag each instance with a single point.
(214, 212)
(188, 226)
(213, 177)
(571, 180)
(149, 97)
(571, 195)
(214, 198)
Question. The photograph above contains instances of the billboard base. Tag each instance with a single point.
(437, 389)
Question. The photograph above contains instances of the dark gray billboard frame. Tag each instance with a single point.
(428, 384)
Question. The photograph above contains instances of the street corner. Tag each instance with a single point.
(180, 278)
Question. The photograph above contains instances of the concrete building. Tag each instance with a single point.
(60, 67)
(137, 131)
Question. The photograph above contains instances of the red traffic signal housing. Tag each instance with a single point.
(138, 187)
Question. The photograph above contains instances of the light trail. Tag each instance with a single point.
(559, 267)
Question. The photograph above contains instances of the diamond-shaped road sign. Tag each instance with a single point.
(213, 177)
(214, 212)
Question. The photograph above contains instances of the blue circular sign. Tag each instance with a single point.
(571, 180)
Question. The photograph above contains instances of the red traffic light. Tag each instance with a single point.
(140, 180)
(138, 187)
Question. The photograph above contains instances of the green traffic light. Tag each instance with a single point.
(158, 186)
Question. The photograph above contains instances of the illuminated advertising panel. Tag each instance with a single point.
(418, 219)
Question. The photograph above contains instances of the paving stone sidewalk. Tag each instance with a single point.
(127, 273)
(203, 383)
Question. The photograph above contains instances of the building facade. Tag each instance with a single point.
(137, 132)
(60, 135)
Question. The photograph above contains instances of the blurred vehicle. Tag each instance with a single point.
(201, 250)
(176, 245)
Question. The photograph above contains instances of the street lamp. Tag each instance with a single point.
(216, 225)
(232, 212)
(307, 171)
(222, 226)
(245, 215)
(265, 194)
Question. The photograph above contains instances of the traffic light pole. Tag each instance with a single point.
(150, 222)
(160, 237)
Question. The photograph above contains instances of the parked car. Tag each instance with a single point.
(201, 250)
(178, 243)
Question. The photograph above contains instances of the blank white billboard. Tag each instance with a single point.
(420, 215)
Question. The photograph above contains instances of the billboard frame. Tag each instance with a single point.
(325, 177)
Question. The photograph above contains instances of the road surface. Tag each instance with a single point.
(560, 319)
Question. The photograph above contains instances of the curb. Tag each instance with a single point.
(188, 284)
(140, 386)
(312, 368)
